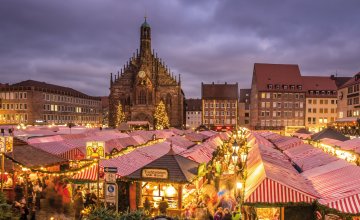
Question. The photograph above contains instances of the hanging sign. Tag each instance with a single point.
(155, 173)
(110, 192)
(6, 144)
(95, 150)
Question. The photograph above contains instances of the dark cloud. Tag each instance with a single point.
(78, 43)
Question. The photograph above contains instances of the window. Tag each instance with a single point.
(268, 95)
(263, 95)
(263, 104)
(279, 104)
(314, 110)
(270, 86)
(142, 97)
(274, 104)
(321, 110)
(268, 104)
(309, 101)
(309, 110)
(285, 87)
(301, 105)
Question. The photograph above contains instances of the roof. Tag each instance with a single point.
(320, 83)
(303, 131)
(219, 91)
(193, 104)
(276, 74)
(33, 157)
(245, 94)
(352, 81)
(180, 169)
(53, 88)
(339, 81)
(329, 133)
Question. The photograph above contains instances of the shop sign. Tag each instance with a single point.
(95, 150)
(110, 169)
(155, 173)
(110, 177)
(110, 192)
(6, 144)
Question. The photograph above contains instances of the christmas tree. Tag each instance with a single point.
(120, 115)
(161, 118)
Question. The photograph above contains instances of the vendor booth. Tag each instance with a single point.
(171, 178)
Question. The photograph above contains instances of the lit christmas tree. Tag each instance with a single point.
(161, 118)
(120, 115)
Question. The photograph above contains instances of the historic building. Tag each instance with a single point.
(193, 113)
(321, 101)
(244, 107)
(220, 105)
(277, 96)
(32, 102)
(142, 83)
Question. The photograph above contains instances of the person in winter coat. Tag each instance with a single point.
(78, 204)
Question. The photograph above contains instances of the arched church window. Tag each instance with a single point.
(168, 99)
(142, 97)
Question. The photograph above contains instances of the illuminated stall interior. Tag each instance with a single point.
(170, 177)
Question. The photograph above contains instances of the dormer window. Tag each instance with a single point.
(334, 92)
(357, 77)
(299, 87)
(317, 92)
(277, 86)
(311, 92)
(270, 86)
(285, 86)
(292, 87)
(328, 92)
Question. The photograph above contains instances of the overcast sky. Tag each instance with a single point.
(78, 43)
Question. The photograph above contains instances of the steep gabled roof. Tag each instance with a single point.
(276, 74)
(219, 91)
(180, 169)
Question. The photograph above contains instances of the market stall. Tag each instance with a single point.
(169, 178)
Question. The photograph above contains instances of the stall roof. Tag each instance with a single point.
(32, 157)
(267, 168)
(329, 133)
(353, 144)
(180, 169)
(196, 137)
(338, 184)
(181, 142)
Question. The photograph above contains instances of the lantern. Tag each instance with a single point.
(227, 156)
(234, 157)
(243, 157)
(235, 147)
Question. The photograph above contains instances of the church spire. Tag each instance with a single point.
(145, 38)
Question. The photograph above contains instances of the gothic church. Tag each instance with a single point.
(142, 83)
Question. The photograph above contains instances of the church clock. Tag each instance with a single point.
(141, 74)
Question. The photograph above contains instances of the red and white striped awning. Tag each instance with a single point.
(89, 174)
(270, 191)
(348, 205)
(73, 154)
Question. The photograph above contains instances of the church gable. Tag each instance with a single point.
(142, 82)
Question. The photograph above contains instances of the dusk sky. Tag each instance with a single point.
(79, 43)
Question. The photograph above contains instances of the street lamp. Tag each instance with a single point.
(234, 157)
(235, 147)
(227, 156)
(243, 157)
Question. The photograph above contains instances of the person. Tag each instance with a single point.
(37, 193)
(66, 197)
(24, 211)
(19, 193)
(90, 198)
(218, 214)
(227, 214)
(163, 205)
(78, 204)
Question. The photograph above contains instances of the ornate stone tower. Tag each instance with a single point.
(142, 82)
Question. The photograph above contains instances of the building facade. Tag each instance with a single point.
(277, 97)
(142, 83)
(321, 102)
(348, 99)
(193, 113)
(219, 105)
(32, 102)
(244, 107)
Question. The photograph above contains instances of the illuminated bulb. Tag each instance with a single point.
(239, 185)
(170, 191)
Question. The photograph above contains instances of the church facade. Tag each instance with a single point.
(142, 83)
